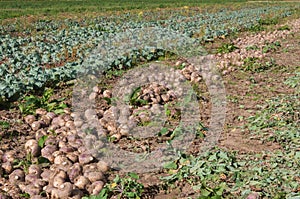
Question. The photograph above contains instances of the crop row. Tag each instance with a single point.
(54, 51)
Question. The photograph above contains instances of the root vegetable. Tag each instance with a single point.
(73, 156)
(40, 111)
(40, 133)
(29, 178)
(29, 119)
(76, 143)
(32, 147)
(30, 189)
(8, 156)
(165, 97)
(62, 162)
(17, 176)
(70, 125)
(48, 151)
(96, 187)
(64, 191)
(35, 169)
(102, 166)
(74, 171)
(124, 130)
(94, 176)
(67, 111)
(51, 115)
(77, 194)
(7, 166)
(107, 93)
(90, 114)
(57, 181)
(58, 121)
(46, 119)
(36, 125)
(96, 89)
(67, 117)
(117, 137)
(46, 174)
(51, 141)
(67, 149)
(81, 182)
(92, 96)
(85, 158)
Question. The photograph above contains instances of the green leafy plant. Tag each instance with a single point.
(227, 48)
(294, 81)
(23, 163)
(30, 103)
(4, 125)
(268, 21)
(271, 47)
(127, 188)
(42, 140)
(253, 64)
(278, 121)
(134, 98)
(285, 27)
(252, 47)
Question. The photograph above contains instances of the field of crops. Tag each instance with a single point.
(155, 100)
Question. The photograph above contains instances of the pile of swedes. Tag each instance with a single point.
(71, 172)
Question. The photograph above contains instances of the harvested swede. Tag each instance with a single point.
(32, 147)
(85, 158)
(35, 169)
(96, 187)
(17, 176)
(36, 125)
(81, 182)
(102, 166)
(94, 175)
(7, 167)
(64, 191)
(29, 119)
(74, 171)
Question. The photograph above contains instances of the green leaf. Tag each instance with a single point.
(42, 141)
(163, 131)
(170, 165)
(134, 176)
(43, 161)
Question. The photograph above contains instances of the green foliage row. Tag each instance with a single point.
(54, 51)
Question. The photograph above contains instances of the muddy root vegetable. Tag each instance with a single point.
(102, 166)
(35, 169)
(31, 189)
(85, 158)
(74, 171)
(107, 94)
(8, 157)
(94, 176)
(95, 187)
(46, 174)
(77, 194)
(58, 121)
(47, 152)
(40, 111)
(29, 119)
(17, 176)
(7, 167)
(36, 125)
(81, 182)
(64, 191)
(32, 147)
(73, 156)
